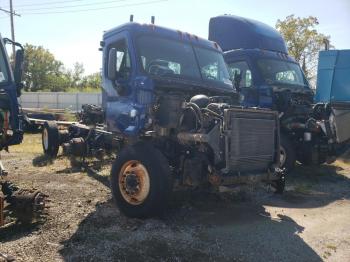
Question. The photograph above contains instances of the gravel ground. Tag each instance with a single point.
(308, 223)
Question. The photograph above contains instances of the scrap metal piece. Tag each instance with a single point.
(25, 205)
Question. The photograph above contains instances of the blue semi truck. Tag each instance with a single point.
(173, 117)
(266, 76)
(22, 205)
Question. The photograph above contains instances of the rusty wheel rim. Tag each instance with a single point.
(134, 182)
(45, 139)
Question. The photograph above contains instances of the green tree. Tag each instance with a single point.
(303, 41)
(42, 72)
(77, 76)
(41, 68)
(93, 81)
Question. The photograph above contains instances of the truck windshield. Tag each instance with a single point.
(164, 57)
(281, 72)
(3, 68)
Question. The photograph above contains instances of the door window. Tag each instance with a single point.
(240, 74)
(123, 64)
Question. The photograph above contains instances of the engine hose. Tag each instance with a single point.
(198, 112)
(213, 113)
(196, 116)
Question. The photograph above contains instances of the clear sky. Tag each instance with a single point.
(74, 37)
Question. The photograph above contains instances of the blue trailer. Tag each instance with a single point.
(333, 89)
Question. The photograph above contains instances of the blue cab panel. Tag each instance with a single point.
(333, 76)
(235, 32)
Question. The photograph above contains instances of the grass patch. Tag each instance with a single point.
(83, 90)
(31, 145)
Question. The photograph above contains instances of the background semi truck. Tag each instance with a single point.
(172, 116)
(267, 77)
(22, 205)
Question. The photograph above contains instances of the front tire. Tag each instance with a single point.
(141, 181)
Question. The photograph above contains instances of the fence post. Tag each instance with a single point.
(57, 103)
(77, 102)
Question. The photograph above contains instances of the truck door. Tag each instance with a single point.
(242, 79)
(117, 93)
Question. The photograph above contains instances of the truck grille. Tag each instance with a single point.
(252, 139)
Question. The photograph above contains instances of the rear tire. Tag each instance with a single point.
(50, 139)
(141, 181)
(287, 154)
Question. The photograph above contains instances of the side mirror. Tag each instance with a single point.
(18, 72)
(112, 64)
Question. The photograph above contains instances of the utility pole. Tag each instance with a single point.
(12, 31)
(12, 13)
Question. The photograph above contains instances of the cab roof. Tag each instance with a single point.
(151, 29)
(235, 32)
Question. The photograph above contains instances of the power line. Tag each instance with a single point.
(94, 9)
(70, 6)
(9, 12)
(49, 3)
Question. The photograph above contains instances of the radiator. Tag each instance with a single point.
(252, 139)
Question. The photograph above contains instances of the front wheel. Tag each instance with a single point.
(141, 181)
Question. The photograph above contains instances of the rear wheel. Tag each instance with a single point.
(50, 139)
(287, 154)
(141, 181)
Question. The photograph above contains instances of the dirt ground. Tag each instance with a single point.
(310, 222)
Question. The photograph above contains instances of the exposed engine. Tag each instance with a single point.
(91, 115)
(316, 131)
(229, 143)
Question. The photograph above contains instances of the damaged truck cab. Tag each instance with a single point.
(174, 120)
(168, 98)
(267, 77)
